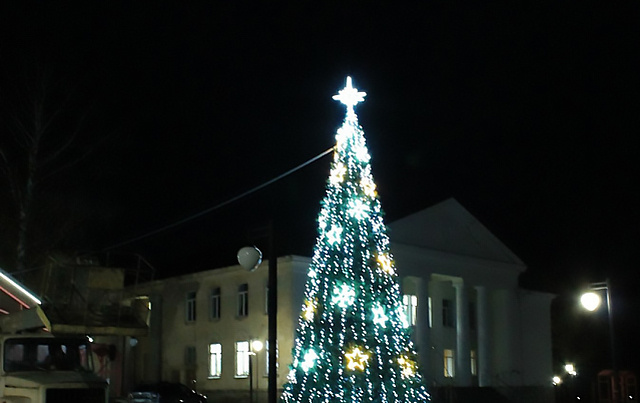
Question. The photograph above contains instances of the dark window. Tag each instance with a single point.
(215, 303)
(473, 316)
(243, 300)
(190, 307)
(190, 356)
(448, 313)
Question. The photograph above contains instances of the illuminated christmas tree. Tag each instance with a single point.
(352, 342)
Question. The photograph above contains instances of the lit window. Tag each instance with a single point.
(474, 363)
(242, 359)
(215, 303)
(430, 312)
(190, 307)
(215, 360)
(243, 300)
(410, 303)
(266, 353)
(449, 366)
(448, 314)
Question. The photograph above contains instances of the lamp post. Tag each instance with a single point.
(570, 389)
(557, 381)
(250, 258)
(591, 301)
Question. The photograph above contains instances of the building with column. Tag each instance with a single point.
(472, 325)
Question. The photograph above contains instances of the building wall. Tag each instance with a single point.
(163, 354)
(441, 253)
(504, 330)
(517, 324)
(535, 333)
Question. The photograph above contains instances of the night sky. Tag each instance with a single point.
(527, 113)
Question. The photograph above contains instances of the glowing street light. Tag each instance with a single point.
(571, 369)
(256, 345)
(591, 301)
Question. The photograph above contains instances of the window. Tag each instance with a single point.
(190, 356)
(448, 317)
(266, 353)
(473, 318)
(430, 312)
(242, 359)
(215, 360)
(410, 303)
(190, 307)
(449, 366)
(243, 300)
(215, 303)
(31, 354)
(474, 363)
(604, 387)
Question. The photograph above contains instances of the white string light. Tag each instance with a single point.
(352, 344)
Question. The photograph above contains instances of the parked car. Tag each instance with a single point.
(165, 392)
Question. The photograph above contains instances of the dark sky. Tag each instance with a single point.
(526, 112)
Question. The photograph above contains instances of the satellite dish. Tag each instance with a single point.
(250, 257)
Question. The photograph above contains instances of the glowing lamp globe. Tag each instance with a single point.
(590, 301)
(250, 257)
(256, 345)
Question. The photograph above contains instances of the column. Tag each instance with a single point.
(463, 351)
(484, 338)
(422, 324)
(513, 348)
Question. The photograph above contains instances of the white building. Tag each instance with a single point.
(472, 325)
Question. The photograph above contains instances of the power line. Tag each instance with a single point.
(224, 203)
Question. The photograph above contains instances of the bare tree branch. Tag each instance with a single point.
(45, 130)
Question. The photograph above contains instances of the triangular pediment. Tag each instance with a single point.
(448, 227)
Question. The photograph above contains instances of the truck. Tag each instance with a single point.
(40, 367)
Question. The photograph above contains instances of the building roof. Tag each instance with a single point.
(448, 227)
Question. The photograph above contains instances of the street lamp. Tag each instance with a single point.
(557, 381)
(570, 387)
(571, 369)
(591, 300)
(250, 258)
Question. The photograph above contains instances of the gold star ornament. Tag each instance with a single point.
(407, 366)
(356, 359)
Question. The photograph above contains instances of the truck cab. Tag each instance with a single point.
(38, 367)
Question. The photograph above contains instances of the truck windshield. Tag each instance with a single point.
(45, 354)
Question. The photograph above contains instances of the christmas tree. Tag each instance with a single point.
(352, 342)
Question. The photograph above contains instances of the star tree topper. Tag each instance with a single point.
(350, 96)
